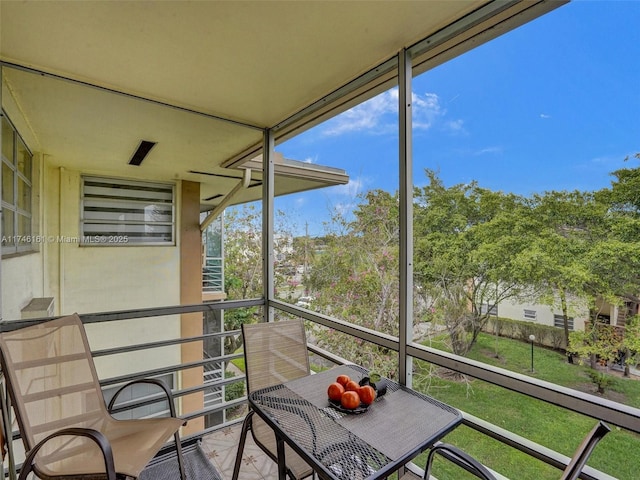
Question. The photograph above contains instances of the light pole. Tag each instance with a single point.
(532, 338)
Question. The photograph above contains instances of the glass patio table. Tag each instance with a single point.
(347, 446)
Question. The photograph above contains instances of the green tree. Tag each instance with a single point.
(243, 263)
(624, 195)
(613, 262)
(242, 267)
(604, 341)
(471, 253)
(243, 252)
(568, 224)
(617, 259)
(631, 343)
(355, 278)
(623, 216)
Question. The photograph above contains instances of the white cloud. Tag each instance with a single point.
(489, 150)
(544, 115)
(351, 189)
(607, 160)
(380, 115)
(426, 110)
(604, 163)
(455, 125)
(368, 116)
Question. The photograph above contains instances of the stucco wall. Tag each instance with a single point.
(21, 281)
(87, 279)
(94, 279)
(103, 278)
(21, 277)
(544, 313)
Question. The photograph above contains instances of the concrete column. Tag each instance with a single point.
(191, 293)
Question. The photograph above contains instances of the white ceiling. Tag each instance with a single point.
(253, 62)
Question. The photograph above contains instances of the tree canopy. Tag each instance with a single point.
(471, 253)
(474, 248)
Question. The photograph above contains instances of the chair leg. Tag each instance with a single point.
(183, 474)
(246, 426)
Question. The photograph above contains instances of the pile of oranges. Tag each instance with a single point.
(349, 393)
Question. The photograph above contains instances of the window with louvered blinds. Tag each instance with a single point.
(558, 321)
(126, 212)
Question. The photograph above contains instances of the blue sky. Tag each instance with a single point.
(553, 105)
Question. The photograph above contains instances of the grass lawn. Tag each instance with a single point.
(239, 362)
(548, 425)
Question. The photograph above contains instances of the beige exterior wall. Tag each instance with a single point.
(21, 281)
(97, 278)
(88, 279)
(94, 279)
(21, 274)
(544, 313)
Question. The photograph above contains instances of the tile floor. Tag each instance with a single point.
(221, 447)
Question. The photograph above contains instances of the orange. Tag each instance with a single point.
(367, 394)
(352, 385)
(335, 391)
(350, 400)
(343, 379)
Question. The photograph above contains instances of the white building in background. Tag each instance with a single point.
(552, 316)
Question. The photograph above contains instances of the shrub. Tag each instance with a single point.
(601, 380)
(517, 329)
(233, 390)
(557, 339)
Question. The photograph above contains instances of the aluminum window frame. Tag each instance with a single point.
(123, 238)
(21, 241)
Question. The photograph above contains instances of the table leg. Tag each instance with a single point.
(282, 465)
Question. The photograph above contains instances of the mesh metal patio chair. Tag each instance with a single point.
(458, 457)
(66, 427)
(274, 353)
(571, 472)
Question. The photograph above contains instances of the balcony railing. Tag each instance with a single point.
(213, 411)
(213, 275)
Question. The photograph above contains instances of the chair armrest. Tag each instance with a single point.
(460, 458)
(94, 435)
(153, 381)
